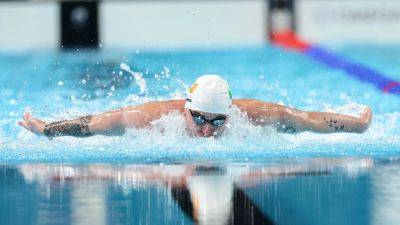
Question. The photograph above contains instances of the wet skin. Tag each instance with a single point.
(260, 113)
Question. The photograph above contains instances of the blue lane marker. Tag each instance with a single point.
(355, 70)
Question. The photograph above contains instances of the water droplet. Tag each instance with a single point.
(12, 101)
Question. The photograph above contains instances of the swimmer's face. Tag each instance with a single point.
(213, 124)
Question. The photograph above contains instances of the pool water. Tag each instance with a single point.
(339, 177)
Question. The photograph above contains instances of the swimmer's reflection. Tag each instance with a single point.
(207, 194)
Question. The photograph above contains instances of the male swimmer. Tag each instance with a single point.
(206, 112)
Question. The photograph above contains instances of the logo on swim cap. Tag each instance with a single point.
(193, 88)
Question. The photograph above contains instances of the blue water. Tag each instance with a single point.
(60, 85)
(252, 175)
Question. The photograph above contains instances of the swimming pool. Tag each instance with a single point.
(58, 85)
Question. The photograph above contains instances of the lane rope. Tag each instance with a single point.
(289, 40)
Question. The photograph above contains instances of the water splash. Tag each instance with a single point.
(167, 139)
(140, 81)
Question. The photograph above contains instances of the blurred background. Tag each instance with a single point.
(177, 24)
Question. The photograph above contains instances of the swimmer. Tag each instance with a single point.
(206, 111)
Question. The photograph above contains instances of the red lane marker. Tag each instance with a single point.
(288, 39)
(390, 86)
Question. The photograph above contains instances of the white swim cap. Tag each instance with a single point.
(209, 93)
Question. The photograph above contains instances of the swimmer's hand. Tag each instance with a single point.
(366, 119)
(32, 124)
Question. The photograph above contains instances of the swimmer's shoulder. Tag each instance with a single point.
(142, 115)
(258, 110)
(170, 105)
(159, 106)
(248, 104)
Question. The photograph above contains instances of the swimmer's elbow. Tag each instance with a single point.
(363, 123)
(362, 128)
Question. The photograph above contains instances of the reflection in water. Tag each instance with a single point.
(88, 203)
(386, 195)
(307, 191)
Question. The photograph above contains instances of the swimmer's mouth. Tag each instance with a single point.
(213, 135)
(201, 134)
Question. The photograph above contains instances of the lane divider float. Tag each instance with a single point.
(289, 40)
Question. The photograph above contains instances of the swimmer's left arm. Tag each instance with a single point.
(291, 120)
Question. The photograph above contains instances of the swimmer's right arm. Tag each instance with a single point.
(109, 123)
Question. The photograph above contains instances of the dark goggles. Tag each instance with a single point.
(200, 120)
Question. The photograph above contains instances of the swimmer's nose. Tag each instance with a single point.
(207, 130)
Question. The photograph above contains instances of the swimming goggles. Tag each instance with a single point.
(200, 120)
